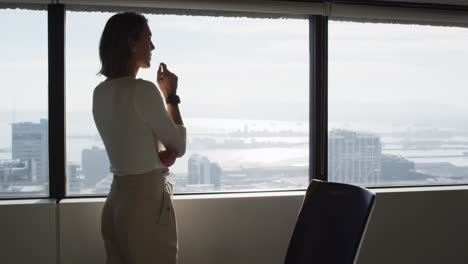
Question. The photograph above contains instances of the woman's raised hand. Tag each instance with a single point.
(167, 81)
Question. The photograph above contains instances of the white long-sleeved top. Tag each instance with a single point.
(132, 119)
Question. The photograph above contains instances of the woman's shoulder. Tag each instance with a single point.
(143, 87)
(126, 82)
(144, 83)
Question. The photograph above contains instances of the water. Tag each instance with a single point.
(430, 156)
(82, 134)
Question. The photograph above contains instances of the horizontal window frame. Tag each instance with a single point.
(266, 193)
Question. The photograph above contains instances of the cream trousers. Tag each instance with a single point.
(138, 220)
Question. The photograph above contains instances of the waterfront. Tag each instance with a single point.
(240, 147)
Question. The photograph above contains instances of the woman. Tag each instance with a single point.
(138, 220)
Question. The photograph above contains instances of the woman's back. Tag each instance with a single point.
(131, 118)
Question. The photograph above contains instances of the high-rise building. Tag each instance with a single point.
(354, 157)
(216, 172)
(203, 172)
(75, 179)
(94, 165)
(15, 172)
(31, 141)
(198, 169)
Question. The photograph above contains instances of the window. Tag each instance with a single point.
(245, 92)
(24, 160)
(397, 104)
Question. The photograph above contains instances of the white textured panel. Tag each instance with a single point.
(28, 232)
(241, 6)
(285, 8)
(80, 232)
(27, 1)
(216, 230)
(399, 14)
(236, 230)
(418, 227)
(425, 226)
(155, 2)
(441, 2)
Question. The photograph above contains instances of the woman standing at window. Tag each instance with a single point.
(138, 221)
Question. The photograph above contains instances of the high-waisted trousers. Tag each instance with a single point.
(138, 220)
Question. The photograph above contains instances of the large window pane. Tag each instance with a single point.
(24, 162)
(397, 104)
(243, 83)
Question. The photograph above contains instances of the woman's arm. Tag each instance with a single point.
(168, 82)
(151, 107)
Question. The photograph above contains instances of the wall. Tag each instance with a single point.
(28, 232)
(408, 226)
(418, 227)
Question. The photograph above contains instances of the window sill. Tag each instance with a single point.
(418, 189)
(191, 196)
(27, 201)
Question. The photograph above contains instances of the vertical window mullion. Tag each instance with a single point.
(318, 130)
(56, 38)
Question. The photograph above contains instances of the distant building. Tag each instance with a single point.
(198, 169)
(75, 179)
(31, 141)
(16, 172)
(103, 186)
(354, 157)
(94, 165)
(203, 172)
(216, 173)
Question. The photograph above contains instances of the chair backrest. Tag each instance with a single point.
(331, 224)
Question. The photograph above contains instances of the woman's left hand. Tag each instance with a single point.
(167, 157)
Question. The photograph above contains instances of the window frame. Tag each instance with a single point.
(57, 128)
(353, 20)
(40, 7)
(60, 182)
(318, 99)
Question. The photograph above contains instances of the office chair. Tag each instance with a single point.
(331, 224)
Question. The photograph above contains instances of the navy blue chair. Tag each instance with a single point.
(331, 224)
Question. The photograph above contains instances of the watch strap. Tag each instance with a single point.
(173, 99)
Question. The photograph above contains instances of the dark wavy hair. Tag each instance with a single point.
(114, 51)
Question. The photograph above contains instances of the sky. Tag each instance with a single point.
(243, 67)
(398, 73)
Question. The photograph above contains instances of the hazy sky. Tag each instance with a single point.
(221, 62)
(390, 73)
(231, 61)
(398, 63)
(249, 63)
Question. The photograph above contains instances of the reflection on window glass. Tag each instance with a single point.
(24, 162)
(243, 83)
(397, 104)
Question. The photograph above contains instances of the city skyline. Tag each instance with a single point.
(354, 157)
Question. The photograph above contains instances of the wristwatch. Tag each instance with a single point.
(173, 99)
